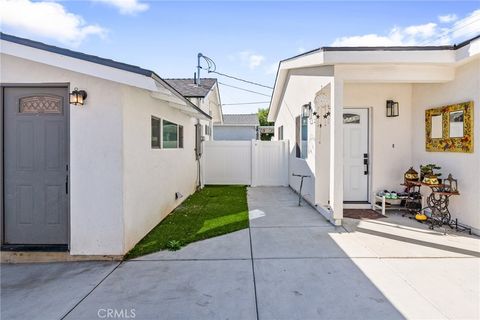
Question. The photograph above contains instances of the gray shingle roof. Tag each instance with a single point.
(189, 89)
(241, 119)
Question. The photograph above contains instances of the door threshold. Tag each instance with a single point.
(35, 247)
(357, 205)
(356, 202)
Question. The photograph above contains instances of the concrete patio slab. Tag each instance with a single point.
(318, 289)
(176, 290)
(391, 238)
(271, 216)
(48, 290)
(303, 268)
(235, 245)
(452, 285)
(302, 242)
(271, 196)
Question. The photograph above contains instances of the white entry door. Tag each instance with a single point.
(355, 155)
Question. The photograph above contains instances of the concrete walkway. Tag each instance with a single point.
(290, 264)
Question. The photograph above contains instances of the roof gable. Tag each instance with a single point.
(189, 89)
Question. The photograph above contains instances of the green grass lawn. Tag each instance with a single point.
(210, 212)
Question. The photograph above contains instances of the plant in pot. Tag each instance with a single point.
(427, 171)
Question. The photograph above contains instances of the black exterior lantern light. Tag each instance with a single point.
(307, 110)
(78, 97)
(392, 108)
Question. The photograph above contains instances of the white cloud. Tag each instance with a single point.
(447, 18)
(467, 27)
(301, 50)
(47, 19)
(252, 60)
(423, 34)
(127, 6)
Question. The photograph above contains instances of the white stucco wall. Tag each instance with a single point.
(120, 188)
(301, 89)
(463, 166)
(96, 158)
(152, 176)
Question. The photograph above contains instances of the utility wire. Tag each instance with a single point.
(449, 32)
(239, 79)
(212, 68)
(228, 85)
(242, 103)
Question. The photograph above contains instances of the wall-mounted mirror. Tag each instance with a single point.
(456, 128)
(450, 128)
(437, 126)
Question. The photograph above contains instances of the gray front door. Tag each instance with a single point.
(36, 165)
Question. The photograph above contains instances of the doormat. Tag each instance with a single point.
(361, 214)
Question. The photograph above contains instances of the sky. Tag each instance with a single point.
(245, 39)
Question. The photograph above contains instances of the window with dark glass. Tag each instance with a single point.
(180, 136)
(155, 133)
(170, 135)
(297, 137)
(304, 134)
(280, 133)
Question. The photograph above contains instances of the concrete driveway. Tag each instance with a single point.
(290, 264)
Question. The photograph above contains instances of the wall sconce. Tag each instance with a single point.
(392, 108)
(307, 110)
(78, 97)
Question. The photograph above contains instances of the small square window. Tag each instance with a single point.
(155, 133)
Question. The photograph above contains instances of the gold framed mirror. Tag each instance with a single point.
(450, 128)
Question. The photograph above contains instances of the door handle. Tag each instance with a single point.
(365, 163)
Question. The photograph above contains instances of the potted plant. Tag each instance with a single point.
(427, 170)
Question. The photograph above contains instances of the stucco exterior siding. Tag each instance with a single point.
(152, 176)
(120, 187)
(463, 166)
(96, 155)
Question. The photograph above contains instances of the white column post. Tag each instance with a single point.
(336, 151)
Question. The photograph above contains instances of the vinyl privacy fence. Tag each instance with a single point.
(255, 163)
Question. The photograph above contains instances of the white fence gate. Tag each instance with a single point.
(255, 163)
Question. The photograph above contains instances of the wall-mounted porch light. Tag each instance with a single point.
(392, 108)
(307, 110)
(78, 97)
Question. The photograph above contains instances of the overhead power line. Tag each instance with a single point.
(240, 79)
(212, 68)
(238, 88)
(242, 103)
(449, 32)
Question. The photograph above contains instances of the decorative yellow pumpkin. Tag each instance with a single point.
(421, 217)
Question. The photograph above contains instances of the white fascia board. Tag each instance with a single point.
(277, 94)
(78, 65)
(468, 52)
(390, 57)
(216, 91)
(395, 73)
(167, 96)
